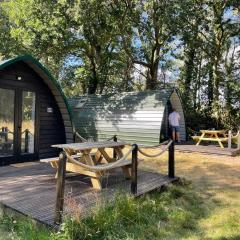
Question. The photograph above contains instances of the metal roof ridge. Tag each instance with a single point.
(165, 90)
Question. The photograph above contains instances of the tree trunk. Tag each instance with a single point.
(93, 81)
(196, 99)
(210, 86)
(95, 63)
(151, 83)
(216, 74)
(189, 65)
(127, 78)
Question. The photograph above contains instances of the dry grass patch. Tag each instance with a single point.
(217, 179)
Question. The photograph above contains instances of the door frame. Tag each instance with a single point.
(169, 110)
(17, 156)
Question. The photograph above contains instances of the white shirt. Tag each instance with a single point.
(174, 119)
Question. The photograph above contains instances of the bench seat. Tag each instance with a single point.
(49, 160)
(215, 139)
(195, 138)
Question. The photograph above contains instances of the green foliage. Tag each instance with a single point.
(99, 46)
(211, 64)
(147, 29)
(21, 229)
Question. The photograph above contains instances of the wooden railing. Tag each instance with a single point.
(61, 172)
(232, 137)
(4, 133)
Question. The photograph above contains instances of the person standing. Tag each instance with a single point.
(174, 119)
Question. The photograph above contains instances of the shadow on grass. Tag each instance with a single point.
(215, 175)
(230, 238)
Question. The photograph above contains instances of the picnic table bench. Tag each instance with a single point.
(83, 160)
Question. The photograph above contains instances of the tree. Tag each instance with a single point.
(97, 42)
(41, 28)
(56, 31)
(146, 30)
(190, 29)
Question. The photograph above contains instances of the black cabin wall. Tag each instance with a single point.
(50, 128)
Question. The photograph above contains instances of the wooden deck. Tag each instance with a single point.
(30, 189)
(189, 147)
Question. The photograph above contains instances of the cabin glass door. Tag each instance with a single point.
(17, 126)
(7, 123)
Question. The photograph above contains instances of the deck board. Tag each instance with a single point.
(31, 189)
(207, 149)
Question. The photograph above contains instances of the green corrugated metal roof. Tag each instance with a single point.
(135, 116)
(4, 61)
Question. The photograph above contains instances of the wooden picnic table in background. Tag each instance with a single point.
(213, 136)
(84, 152)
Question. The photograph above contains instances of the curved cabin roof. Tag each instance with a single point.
(53, 86)
(135, 117)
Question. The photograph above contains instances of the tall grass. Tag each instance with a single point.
(22, 229)
(172, 214)
(180, 212)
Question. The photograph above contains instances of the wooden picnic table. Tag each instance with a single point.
(85, 154)
(213, 136)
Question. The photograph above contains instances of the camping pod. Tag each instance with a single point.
(34, 113)
(135, 117)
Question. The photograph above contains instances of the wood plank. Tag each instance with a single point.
(31, 189)
(89, 145)
(209, 149)
(214, 139)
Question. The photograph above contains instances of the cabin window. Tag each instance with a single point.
(28, 121)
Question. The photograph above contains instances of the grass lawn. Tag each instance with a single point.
(217, 180)
(206, 208)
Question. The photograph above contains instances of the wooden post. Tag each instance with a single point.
(5, 134)
(26, 140)
(229, 139)
(114, 152)
(75, 137)
(61, 172)
(134, 169)
(7, 131)
(238, 141)
(171, 167)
